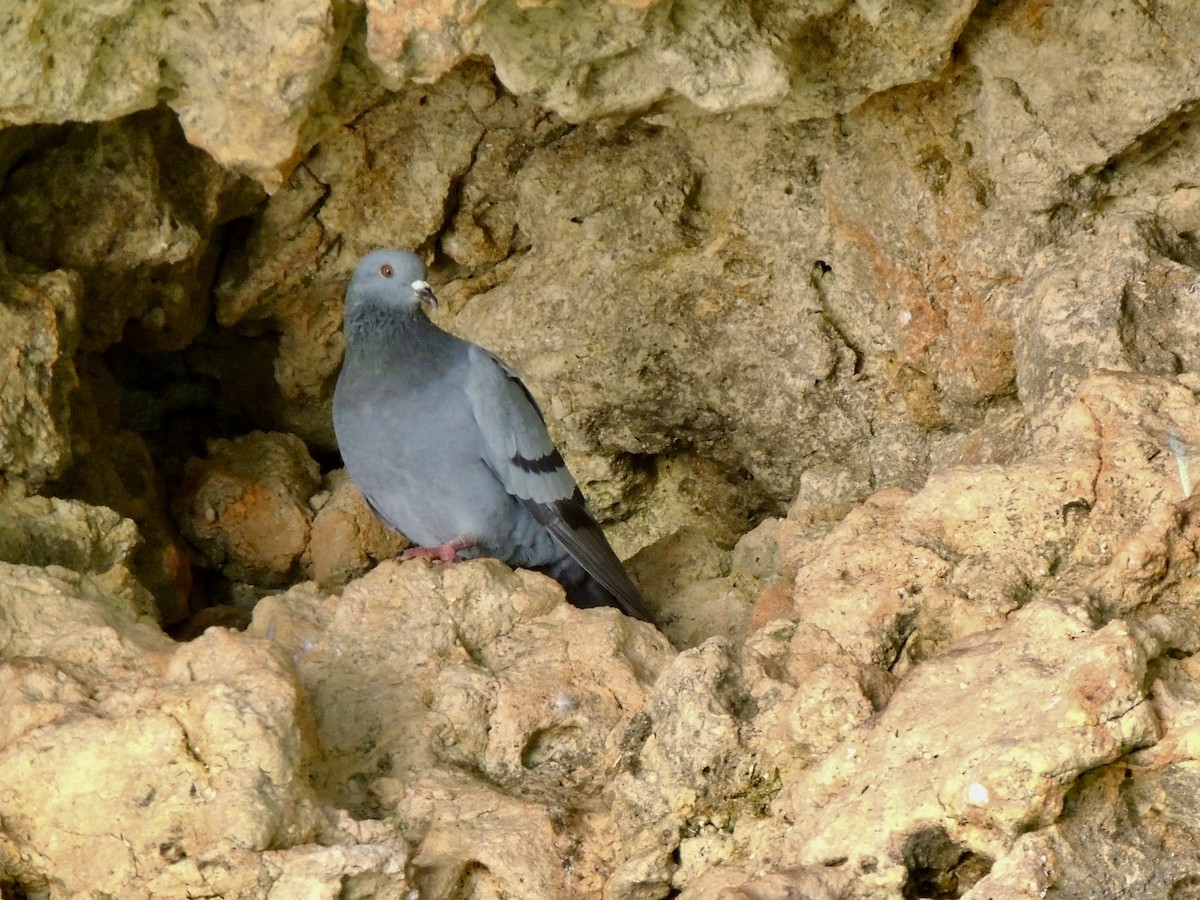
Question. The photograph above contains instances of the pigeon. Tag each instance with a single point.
(451, 450)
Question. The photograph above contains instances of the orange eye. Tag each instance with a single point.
(386, 270)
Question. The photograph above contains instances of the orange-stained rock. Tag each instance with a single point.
(246, 506)
(346, 536)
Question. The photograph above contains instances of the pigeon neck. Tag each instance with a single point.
(389, 340)
(370, 324)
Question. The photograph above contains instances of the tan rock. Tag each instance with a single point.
(864, 593)
(1080, 704)
(346, 536)
(496, 680)
(1127, 831)
(625, 56)
(772, 604)
(514, 740)
(39, 314)
(913, 282)
(691, 777)
(1055, 123)
(133, 209)
(687, 578)
(358, 866)
(152, 753)
(489, 672)
(916, 571)
(809, 882)
(246, 506)
(873, 309)
(601, 365)
(244, 82)
(89, 545)
(1123, 315)
(1026, 873)
(114, 467)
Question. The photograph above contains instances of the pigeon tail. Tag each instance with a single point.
(585, 592)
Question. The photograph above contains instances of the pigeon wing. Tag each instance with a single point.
(518, 449)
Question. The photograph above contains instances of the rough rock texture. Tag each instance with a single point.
(115, 467)
(955, 703)
(868, 328)
(241, 79)
(246, 506)
(93, 542)
(158, 755)
(255, 86)
(141, 237)
(345, 537)
(38, 312)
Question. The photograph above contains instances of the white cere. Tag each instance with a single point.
(420, 286)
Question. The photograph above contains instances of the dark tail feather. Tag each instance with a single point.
(586, 592)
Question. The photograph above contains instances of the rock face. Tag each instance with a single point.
(38, 311)
(869, 330)
(954, 722)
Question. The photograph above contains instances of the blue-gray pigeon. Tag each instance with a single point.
(450, 449)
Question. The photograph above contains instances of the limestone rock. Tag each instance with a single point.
(809, 882)
(948, 575)
(910, 279)
(256, 89)
(40, 87)
(109, 634)
(624, 57)
(39, 314)
(470, 630)
(919, 298)
(1080, 683)
(1128, 312)
(113, 466)
(243, 82)
(246, 506)
(967, 569)
(629, 375)
(512, 742)
(91, 546)
(133, 209)
(915, 346)
(1109, 842)
(363, 862)
(346, 536)
(674, 800)
(45, 531)
(1062, 120)
(422, 675)
(154, 754)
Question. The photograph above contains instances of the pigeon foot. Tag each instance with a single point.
(444, 553)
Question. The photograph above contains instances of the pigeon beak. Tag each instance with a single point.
(425, 293)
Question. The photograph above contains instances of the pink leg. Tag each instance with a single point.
(445, 553)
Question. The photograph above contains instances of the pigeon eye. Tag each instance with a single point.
(386, 270)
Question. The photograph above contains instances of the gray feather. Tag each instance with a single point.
(516, 443)
(447, 444)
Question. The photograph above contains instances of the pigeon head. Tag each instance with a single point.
(389, 278)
